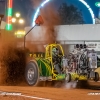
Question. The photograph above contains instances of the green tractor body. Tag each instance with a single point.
(44, 66)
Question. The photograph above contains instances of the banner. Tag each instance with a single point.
(93, 45)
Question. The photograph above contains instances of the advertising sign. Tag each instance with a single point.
(93, 45)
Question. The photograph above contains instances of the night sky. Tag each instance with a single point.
(27, 8)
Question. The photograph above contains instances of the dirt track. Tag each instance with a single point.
(48, 93)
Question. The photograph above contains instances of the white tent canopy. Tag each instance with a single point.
(85, 32)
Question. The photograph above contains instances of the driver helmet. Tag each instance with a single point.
(55, 51)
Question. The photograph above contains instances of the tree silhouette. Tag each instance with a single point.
(70, 14)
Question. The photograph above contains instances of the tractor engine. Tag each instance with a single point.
(64, 65)
(83, 67)
(92, 63)
(92, 59)
(84, 62)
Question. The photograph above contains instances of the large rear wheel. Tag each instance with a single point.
(96, 77)
(32, 73)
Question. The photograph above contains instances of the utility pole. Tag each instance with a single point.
(1, 17)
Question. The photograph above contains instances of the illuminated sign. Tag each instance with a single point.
(9, 15)
(97, 4)
(20, 33)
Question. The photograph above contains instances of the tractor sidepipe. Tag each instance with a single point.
(38, 21)
(26, 34)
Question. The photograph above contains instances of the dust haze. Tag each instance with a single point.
(12, 60)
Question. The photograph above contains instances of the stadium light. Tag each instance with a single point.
(21, 21)
(17, 15)
(13, 20)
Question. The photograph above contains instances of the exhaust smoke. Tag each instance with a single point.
(51, 19)
(48, 32)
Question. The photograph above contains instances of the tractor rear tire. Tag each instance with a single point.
(32, 73)
(96, 77)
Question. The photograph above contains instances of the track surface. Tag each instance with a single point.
(48, 93)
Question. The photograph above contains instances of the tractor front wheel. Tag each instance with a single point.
(32, 73)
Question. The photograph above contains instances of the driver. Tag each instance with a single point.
(56, 59)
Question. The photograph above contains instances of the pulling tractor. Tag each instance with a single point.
(47, 67)
(53, 66)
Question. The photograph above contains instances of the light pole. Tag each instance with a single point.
(17, 15)
(1, 16)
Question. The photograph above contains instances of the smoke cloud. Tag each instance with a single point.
(51, 19)
(48, 33)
